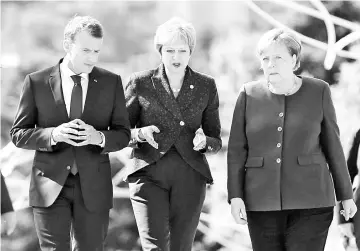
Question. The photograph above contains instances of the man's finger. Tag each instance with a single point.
(70, 142)
(70, 131)
(78, 121)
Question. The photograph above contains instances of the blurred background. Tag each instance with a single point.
(227, 33)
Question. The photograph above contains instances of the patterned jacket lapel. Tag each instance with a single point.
(164, 93)
(188, 90)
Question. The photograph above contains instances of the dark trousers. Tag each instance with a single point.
(67, 225)
(167, 198)
(290, 230)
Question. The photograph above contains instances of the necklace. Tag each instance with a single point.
(287, 93)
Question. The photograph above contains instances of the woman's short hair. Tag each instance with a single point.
(289, 39)
(172, 30)
(81, 23)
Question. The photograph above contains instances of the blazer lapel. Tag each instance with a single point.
(56, 88)
(188, 90)
(164, 93)
(92, 94)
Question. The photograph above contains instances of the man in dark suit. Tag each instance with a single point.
(73, 114)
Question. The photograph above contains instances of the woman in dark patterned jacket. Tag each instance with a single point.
(174, 113)
(285, 159)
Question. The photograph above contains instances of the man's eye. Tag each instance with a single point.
(170, 51)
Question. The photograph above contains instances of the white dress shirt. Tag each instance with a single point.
(67, 86)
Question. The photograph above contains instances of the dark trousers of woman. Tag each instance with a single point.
(290, 230)
(167, 198)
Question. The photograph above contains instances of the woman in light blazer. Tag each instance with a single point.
(285, 159)
(174, 113)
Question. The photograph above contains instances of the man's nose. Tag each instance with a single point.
(93, 57)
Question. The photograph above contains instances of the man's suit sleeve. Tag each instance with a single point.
(25, 133)
(211, 122)
(133, 107)
(118, 135)
(333, 151)
(237, 150)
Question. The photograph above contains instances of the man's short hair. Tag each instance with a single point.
(82, 23)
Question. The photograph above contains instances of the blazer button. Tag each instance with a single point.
(278, 160)
(182, 123)
(279, 128)
(281, 114)
(278, 145)
(68, 167)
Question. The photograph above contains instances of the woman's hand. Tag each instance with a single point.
(199, 140)
(146, 134)
(238, 211)
(349, 209)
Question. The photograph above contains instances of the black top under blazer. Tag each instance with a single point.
(150, 101)
(285, 151)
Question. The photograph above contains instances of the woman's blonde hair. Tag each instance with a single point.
(289, 39)
(173, 29)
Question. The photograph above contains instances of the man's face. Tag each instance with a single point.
(83, 53)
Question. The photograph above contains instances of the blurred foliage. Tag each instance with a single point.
(227, 33)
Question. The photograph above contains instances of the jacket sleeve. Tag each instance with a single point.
(333, 151)
(211, 122)
(237, 150)
(25, 133)
(118, 135)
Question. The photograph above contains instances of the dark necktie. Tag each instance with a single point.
(76, 98)
(76, 107)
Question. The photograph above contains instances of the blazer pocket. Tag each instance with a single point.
(254, 162)
(305, 160)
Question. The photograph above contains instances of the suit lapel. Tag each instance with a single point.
(92, 94)
(188, 90)
(56, 88)
(164, 93)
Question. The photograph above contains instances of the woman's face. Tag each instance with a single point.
(175, 56)
(277, 63)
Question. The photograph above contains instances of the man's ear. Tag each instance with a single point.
(67, 45)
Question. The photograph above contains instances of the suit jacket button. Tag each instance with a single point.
(281, 114)
(279, 129)
(278, 160)
(182, 123)
(68, 167)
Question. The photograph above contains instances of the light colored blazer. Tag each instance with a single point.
(284, 152)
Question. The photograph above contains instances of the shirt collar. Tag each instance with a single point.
(68, 73)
